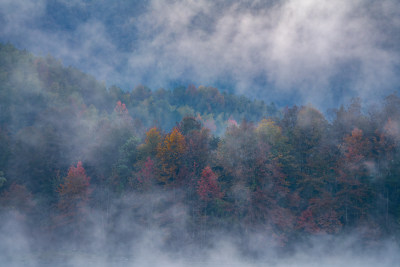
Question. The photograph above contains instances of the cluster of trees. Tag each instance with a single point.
(68, 145)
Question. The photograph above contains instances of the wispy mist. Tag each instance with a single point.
(321, 52)
(93, 175)
(139, 243)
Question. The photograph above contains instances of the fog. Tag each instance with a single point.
(115, 238)
(291, 51)
(319, 52)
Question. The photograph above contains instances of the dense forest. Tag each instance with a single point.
(76, 155)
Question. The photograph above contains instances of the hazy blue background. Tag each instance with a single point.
(296, 51)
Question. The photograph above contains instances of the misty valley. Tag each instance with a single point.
(93, 175)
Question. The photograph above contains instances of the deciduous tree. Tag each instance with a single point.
(170, 154)
(354, 192)
(208, 187)
(74, 194)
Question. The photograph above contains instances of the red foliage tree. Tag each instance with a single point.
(320, 216)
(208, 188)
(146, 174)
(121, 109)
(74, 194)
(306, 221)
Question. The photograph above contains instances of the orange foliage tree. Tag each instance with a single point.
(170, 153)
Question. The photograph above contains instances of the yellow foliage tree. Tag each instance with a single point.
(152, 142)
(269, 132)
(170, 153)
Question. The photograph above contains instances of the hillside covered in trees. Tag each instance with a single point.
(77, 157)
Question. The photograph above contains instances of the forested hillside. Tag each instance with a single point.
(190, 161)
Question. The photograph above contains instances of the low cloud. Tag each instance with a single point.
(315, 51)
(296, 46)
(119, 238)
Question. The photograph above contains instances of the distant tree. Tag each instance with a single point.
(146, 176)
(354, 193)
(170, 154)
(151, 144)
(307, 136)
(270, 134)
(348, 118)
(122, 169)
(5, 150)
(74, 195)
(197, 150)
(232, 123)
(121, 109)
(3, 179)
(208, 188)
(210, 124)
(321, 216)
(18, 198)
(141, 93)
(189, 124)
(270, 195)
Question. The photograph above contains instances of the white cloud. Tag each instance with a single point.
(301, 44)
(298, 46)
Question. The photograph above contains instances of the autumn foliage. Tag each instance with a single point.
(146, 175)
(170, 153)
(121, 109)
(74, 193)
(152, 141)
(226, 159)
(208, 187)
